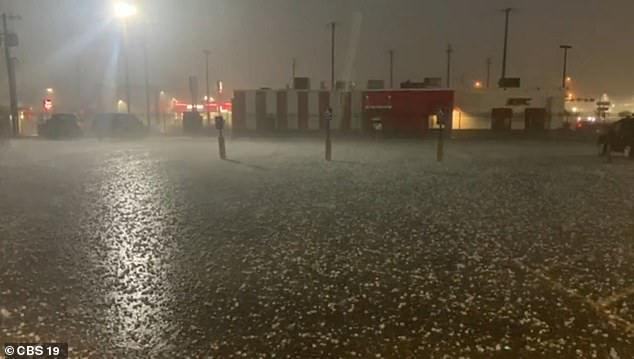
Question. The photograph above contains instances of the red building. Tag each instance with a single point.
(406, 112)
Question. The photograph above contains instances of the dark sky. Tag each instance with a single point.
(253, 42)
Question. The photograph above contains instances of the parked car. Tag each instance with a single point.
(117, 125)
(60, 125)
(620, 136)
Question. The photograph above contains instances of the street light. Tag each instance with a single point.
(123, 11)
(564, 77)
(49, 90)
(207, 52)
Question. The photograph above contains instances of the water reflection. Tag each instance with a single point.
(133, 250)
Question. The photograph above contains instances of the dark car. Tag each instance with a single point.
(117, 125)
(60, 125)
(619, 135)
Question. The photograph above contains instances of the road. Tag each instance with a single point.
(156, 248)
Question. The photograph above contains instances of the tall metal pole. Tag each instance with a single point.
(391, 52)
(293, 72)
(507, 13)
(565, 74)
(329, 114)
(449, 52)
(332, 55)
(13, 98)
(488, 71)
(127, 68)
(78, 82)
(147, 78)
(207, 52)
(157, 109)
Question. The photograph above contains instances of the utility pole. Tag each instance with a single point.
(207, 52)
(507, 13)
(333, 26)
(78, 83)
(391, 53)
(293, 72)
(13, 97)
(488, 62)
(157, 109)
(565, 75)
(449, 52)
(329, 113)
(147, 78)
(127, 67)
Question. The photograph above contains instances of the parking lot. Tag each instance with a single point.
(506, 249)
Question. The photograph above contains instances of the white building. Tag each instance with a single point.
(510, 109)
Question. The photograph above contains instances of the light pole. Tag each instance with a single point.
(123, 11)
(391, 53)
(333, 27)
(207, 52)
(488, 62)
(563, 79)
(449, 52)
(162, 108)
(146, 71)
(507, 13)
(11, 40)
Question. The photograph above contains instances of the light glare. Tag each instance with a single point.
(124, 9)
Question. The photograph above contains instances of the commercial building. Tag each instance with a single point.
(405, 111)
(509, 109)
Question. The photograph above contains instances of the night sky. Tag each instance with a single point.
(253, 43)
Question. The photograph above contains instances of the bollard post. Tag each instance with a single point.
(327, 119)
(220, 123)
(221, 146)
(440, 145)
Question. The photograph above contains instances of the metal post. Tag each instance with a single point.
(78, 83)
(440, 145)
(332, 56)
(13, 99)
(293, 72)
(127, 69)
(157, 110)
(449, 52)
(332, 84)
(221, 145)
(147, 78)
(507, 13)
(207, 52)
(391, 52)
(328, 119)
(488, 71)
(565, 75)
(163, 117)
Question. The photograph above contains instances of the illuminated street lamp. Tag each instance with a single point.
(123, 11)
(49, 90)
(477, 84)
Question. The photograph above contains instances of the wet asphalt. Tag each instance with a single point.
(159, 249)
